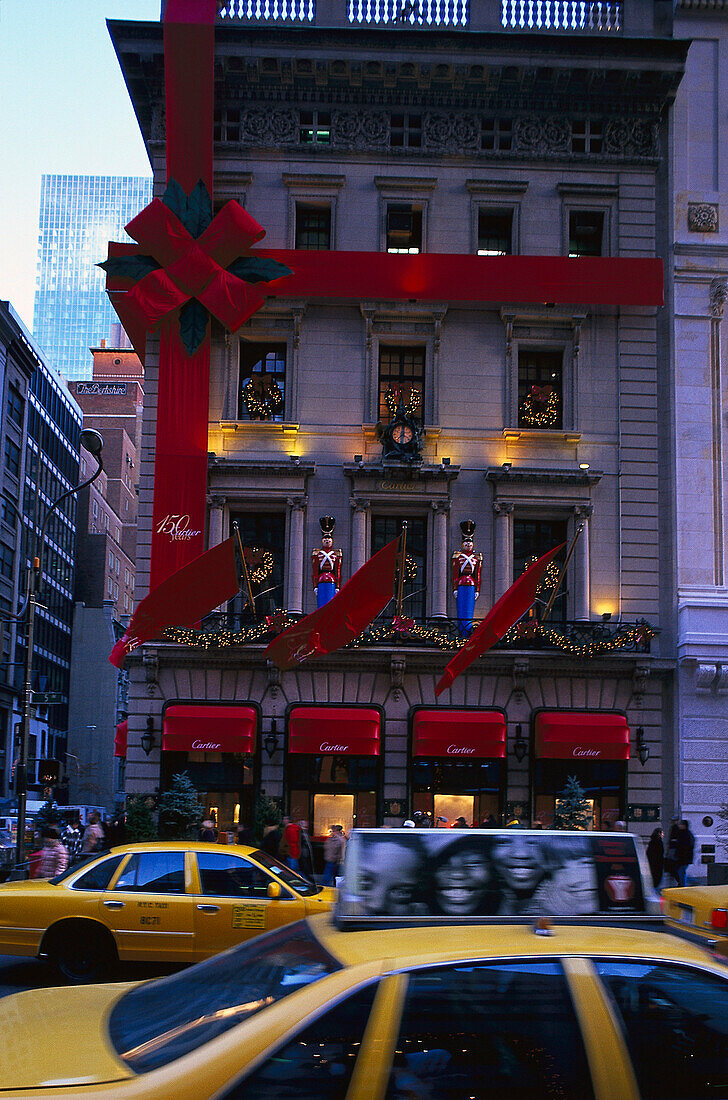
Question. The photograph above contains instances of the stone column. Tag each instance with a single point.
(358, 537)
(582, 583)
(294, 595)
(216, 516)
(440, 564)
(503, 542)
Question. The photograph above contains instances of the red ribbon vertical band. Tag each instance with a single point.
(180, 468)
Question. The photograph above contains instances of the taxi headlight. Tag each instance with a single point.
(719, 919)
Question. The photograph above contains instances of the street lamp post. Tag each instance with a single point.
(93, 442)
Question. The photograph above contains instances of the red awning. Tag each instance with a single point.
(460, 734)
(581, 735)
(209, 729)
(349, 731)
(122, 736)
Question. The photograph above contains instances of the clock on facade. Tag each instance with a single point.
(402, 437)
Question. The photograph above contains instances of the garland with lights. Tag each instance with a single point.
(549, 577)
(262, 397)
(540, 407)
(393, 397)
(403, 628)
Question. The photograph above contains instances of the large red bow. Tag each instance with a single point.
(541, 393)
(192, 268)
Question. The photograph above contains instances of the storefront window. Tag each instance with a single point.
(604, 783)
(453, 789)
(223, 781)
(333, 790)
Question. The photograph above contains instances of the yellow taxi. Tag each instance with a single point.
(167, 901)
(384, 999)
(699, 913)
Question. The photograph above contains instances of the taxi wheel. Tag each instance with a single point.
(82, 954)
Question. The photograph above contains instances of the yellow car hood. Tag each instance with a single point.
(53, 1038)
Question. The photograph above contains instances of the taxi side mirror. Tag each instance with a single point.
(274, 890)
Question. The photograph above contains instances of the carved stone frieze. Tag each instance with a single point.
(360, 129)
(704, 677)
(260, 126)
(447, 132)
(702, 217)
(542, 137)
(630, 137)
(718, 295)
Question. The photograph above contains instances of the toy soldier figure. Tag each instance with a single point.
(466, 567)
(326, 564)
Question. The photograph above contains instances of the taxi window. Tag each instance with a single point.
(99, 876)
(318, 1064)
(158, 1022)
(291, 878)
(226, 876)
(489, 1030)
(154, 872)
(675, 1021)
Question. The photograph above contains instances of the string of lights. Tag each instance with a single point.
(262, 400)
(539, 409)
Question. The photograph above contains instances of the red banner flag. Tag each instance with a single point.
(501, 617)
(342, 619)
(183, 598)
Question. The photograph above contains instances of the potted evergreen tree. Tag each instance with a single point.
(573, 810)
(180, 810)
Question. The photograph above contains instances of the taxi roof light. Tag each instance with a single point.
(719, 918)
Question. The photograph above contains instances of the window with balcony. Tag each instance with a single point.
(495, 232)
(263, 534)
(531, 539)
(315, 128)
(313, 226)
(404, 227)
(401, 376)
(586, 233)
(387, 528)
(262, 387)
(540, 389)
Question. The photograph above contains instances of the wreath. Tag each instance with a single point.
(394, 395)
(540, 407)
(262, 397)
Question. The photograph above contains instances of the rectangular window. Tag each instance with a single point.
(406, 131)
(263, 535)
(110, 586)
(495, 232)
(12, 457)
(226, 125)
(315, 128)
(404, 228)
(531, 539)
(401, 375)
(586, 232)
(386, 528)
(496, 134)
(95, 509)
(313, 227)
(6, 561)
(586, 135)
(16, 405)
(540, 389)
(262, 381)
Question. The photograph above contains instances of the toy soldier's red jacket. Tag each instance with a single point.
(466, 569)
(326, 566)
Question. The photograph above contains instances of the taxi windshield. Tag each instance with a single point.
(301, 885)
(158, 1022)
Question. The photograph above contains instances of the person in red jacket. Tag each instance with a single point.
(290, 847)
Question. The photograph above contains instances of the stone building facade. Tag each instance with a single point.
(536, 419)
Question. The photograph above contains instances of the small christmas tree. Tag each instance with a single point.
(267, 812)
(180, 810)
(46, 815)
(140, 818)
(573, 811)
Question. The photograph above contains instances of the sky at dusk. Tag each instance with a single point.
(63, 109)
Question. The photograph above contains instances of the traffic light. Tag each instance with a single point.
(48, 772)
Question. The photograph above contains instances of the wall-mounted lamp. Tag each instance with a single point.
(446, 461)
(606, 616)
(270, 741)
(359, 459)
(583, 465)
(506, 466)
(642, 750)
(520, 748)
(296, 460)
(147, 738)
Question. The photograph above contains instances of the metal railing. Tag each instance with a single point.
(570, 16)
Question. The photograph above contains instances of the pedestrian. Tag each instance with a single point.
(35, 857)
(334, 848)
(94, 838)
(408, 824)
(489, 822)
(656, 856)
(684, 850)
(208, 831)
(246, 836)
(620, 826)
(54, 856)
(460, 823)
(671, 848)
(272, 839)
(421, 820)
(290, 849)
(441, 823)
(305, 859)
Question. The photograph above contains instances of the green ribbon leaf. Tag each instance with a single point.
(194, 211)
(175, 200)
(258, 269)
(129, 267)
(192, 325)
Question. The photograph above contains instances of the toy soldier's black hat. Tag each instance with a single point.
(468, 528)
(327, 525)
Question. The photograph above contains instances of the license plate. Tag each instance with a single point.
(686, 914)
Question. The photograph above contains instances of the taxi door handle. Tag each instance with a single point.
(209, 908)
(114, 904)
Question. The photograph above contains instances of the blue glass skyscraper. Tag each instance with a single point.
(78, 216)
